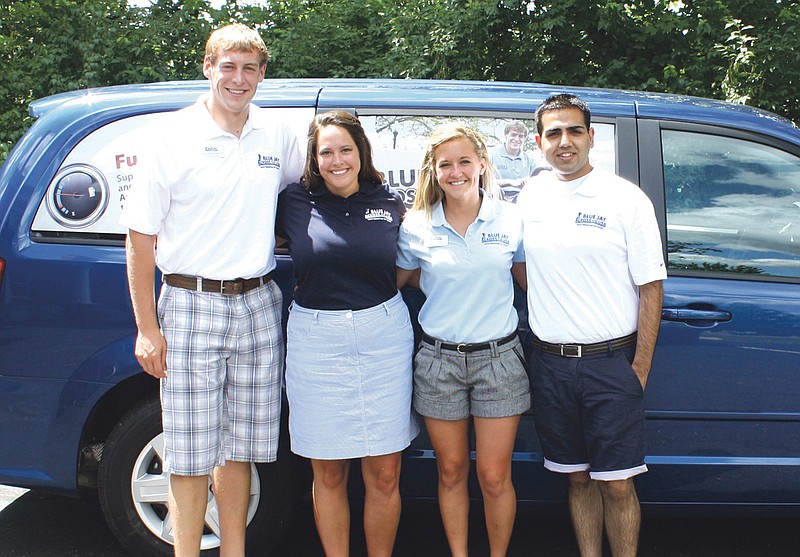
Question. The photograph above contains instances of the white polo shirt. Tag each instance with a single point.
(467, 280)
(589, 243)
(209, 196)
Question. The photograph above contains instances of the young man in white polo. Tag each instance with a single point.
(203, 211)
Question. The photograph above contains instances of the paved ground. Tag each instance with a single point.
(33, 524)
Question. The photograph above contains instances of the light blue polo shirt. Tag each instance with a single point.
(512, 167)
(466, 280)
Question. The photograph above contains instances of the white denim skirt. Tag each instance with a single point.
(349, 380)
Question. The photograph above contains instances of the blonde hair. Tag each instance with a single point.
(236, 37)
(429, 192)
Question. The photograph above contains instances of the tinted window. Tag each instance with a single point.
(398, 144)
(733, 206)
(84, 200)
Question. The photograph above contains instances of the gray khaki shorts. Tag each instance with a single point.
(491, 383)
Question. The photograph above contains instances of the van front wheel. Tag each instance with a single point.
(133, 489)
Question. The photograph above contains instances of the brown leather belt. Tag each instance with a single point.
(230, 287)
(467, 347)
(579, 350)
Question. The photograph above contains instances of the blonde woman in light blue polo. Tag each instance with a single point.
(469, 363)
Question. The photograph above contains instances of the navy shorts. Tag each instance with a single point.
(589, 413)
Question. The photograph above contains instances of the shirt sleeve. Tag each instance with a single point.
(519, 255)
(406, 259)
(511, 216)
(148, 200)
(294, 160)
(645, 253)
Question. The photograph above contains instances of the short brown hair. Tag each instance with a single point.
(516, 125)
(236, 37)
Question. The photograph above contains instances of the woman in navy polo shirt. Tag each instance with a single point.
(470, 360)
(349, 336)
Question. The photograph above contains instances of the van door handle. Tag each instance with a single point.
(695, 316)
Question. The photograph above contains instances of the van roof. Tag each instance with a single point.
(441, 96)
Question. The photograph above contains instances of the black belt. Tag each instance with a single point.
(467, 347)
(199, 284)
(579, 350)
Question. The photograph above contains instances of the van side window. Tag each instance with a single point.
(733, 206)
(84, 200)
(398, 144)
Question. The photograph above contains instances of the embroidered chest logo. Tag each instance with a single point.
(267, 161)
(378, 214)
(584, 219)
(494, 238)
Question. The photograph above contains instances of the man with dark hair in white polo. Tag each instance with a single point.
(595, 268)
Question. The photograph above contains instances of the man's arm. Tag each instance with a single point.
(151, 346)
(407, 278)
(651, 298)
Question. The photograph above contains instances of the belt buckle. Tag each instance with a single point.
(577, 353)
(461, 348)
(231, 287)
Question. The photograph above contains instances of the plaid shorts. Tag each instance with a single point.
(221, 398)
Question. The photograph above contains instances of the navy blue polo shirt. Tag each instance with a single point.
(344, 249)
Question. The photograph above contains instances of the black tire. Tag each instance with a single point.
(131, 460)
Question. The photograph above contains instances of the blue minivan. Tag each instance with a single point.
(723, 400)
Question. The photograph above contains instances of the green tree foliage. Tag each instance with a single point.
(326, 38)
(745, 51)
(50, 46)
(165, 41)
(736, 50)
